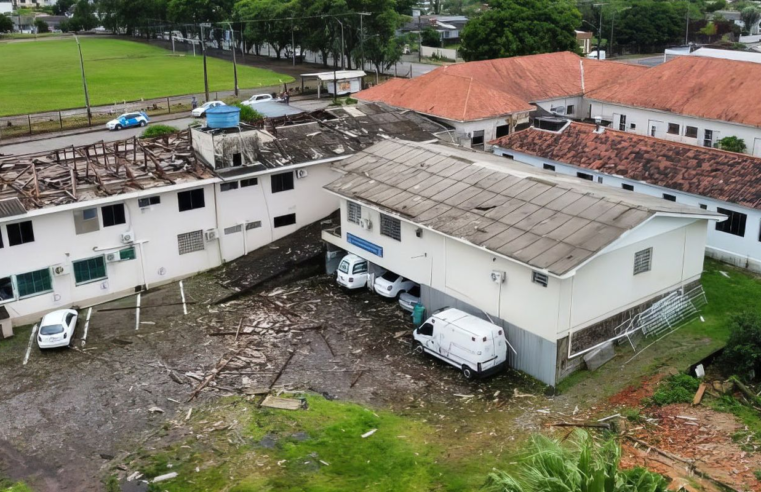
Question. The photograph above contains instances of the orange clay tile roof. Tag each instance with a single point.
(727, 176)
(492, 88)
(718, 89)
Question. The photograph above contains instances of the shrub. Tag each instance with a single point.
(742, 355)
(41, 26)
(679, 388)
(158, 131)
(580, 465)
(732, 144)
(248, 114)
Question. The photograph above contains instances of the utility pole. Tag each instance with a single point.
(235, 64)
(687, 28)
(599, 30)
(205, 72)
(362, 37)
(84, 81)
(343, 49)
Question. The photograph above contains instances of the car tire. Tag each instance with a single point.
(143, 123)
(418, 348)
(118, 127)
(468, 373)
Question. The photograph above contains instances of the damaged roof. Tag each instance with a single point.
(335, 133)
(718, 174)
(542, 219)
(491, 88)
(76, 174)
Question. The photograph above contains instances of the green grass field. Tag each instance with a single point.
(45, 76)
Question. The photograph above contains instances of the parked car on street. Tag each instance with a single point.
(407, 300)
(258, 98)
(474, 346)
(201, 110)
(354, 272)
(391, 285)
(57, 328)
(128, 120)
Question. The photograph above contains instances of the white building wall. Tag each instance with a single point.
(645, 119)
(744, 252)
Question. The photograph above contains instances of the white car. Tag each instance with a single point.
(128, 120)
(354, 272)
(57, 328)
(258, 98)
(201, 110)
(391, 285)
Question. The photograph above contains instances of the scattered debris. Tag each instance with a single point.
(167, 476)
(155, 410)
(369, 433)
(282, 403)
(699, 395)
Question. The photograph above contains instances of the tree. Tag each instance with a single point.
(732, 144)
(578, 465)
(197, 11)
(62, 6)
(6, 24)
(716, 5)
(650, 24)
(750, 17)
(41, 26)
(430, 37)
(742, 355)
(521, 27)
(84, 17)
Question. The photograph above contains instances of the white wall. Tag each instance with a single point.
(643, 119)
(743, 251)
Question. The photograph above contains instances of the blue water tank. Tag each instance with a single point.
(223, 117)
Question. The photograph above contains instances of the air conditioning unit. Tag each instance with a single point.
(128, 237)
(301, 173)
(366, 224)
(59, 270)
(211, 234)
(113, 257)
(497, 276)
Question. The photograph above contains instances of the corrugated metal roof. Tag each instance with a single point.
(10, 207)
(545, 220)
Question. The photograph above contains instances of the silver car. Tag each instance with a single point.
(407, 300)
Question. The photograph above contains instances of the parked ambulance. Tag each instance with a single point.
(474, 346)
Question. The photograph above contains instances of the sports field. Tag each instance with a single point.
(45, 75)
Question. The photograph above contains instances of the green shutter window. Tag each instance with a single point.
(127, 254)
(33, 283)
(89, 269)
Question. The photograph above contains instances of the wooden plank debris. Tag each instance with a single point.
(281, 403)
(699, 395)
(221, 365)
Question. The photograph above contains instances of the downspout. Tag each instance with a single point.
(216, 223)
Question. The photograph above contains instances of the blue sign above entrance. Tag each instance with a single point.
(364, 244)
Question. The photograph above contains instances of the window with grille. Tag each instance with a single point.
(282, 182)
(20, 233)
(549, 167)
(34, 283)
(233, 185)
(571, 109)
(627, 187)
(89, 270)
(249, 182)
(233, 229)
(735, 223)
(586, 176)
(127, 254)
(113, 215)
(147, 202)
(253, 225)
(285, 220)
(669, 197)
(391, 227)
(540, 278)
(622, 123)
(353, 212)
(691, 132)
(673, 129)
(191, 199)
(190, 242)
(643, 260)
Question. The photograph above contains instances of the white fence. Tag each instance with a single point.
(443, 53)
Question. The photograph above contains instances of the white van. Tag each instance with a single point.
(354, 272)
(593, 55)
(476, 347)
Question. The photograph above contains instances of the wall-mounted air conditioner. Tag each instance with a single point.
(366, 224)
(211, 234)
(128, 237)
(301, 173)
(59, 270)
(497, 276)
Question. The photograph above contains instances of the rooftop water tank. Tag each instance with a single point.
(223, 117)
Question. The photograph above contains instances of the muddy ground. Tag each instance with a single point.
(69, 417)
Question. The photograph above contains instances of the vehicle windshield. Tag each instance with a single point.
(206, 105)
(391, 277)
(344, 267)
(51, 329)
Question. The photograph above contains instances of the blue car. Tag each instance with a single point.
(128, 120)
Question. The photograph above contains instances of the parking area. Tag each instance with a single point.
(69, 414)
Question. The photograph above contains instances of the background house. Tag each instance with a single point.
(556, 260)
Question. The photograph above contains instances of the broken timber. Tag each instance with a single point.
(221, 365)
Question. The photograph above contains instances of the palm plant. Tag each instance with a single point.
(581, 466)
